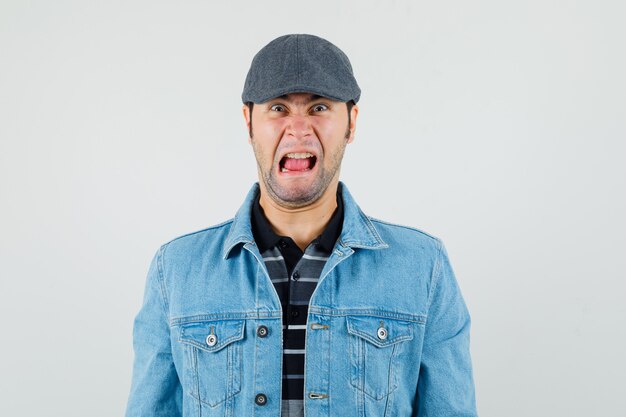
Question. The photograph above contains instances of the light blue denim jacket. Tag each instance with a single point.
(387, 329)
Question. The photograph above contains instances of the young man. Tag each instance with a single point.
(302, 304)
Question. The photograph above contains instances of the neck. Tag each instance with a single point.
(301, 224)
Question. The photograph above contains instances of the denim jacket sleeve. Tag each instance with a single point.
(446, 387)
(155, 390)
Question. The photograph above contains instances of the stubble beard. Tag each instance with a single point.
(298, 196)
(290, 198)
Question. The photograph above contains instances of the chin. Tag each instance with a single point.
(297, 195)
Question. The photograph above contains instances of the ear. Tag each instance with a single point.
(247, 117)
(354, 112)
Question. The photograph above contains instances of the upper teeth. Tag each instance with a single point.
(299, 155)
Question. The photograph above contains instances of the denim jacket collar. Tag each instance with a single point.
(357, 232)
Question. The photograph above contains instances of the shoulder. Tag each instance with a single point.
(199, 241)
(400, 235)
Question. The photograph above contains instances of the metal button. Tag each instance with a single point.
(260, 399)
(295, 275)
(382, 333)
(211, 340)
(262, 331)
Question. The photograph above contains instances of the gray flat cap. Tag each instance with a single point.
(300, 64)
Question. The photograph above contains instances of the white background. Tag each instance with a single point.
(497, 126)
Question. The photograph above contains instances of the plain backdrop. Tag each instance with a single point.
(498, 126)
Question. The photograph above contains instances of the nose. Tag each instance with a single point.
(299, 126)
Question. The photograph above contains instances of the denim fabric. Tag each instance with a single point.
(387, 328)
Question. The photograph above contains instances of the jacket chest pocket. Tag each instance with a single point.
(375, 343)
(213, 352)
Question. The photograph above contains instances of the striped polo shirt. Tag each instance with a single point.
(294, 274)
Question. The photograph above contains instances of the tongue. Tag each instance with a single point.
(297, 164)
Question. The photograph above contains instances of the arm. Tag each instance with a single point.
(155, 389)
(446, 387)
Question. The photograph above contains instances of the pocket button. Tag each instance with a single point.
(382, 333)
(211, 340)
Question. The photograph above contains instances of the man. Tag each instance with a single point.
(301, 304)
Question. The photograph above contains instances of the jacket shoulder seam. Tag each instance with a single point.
(435, 238)
(206, 229)
(161, 260)
(436, 274)
(162, 286)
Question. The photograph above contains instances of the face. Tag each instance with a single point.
(298, 141)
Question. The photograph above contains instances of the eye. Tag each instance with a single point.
(319, 107)
(277, 107)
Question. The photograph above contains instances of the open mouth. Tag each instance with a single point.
(298, 162)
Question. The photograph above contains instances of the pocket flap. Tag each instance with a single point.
(380, 331)
(212, 336)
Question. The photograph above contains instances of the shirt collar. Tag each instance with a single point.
(266, 238)
(357, 229)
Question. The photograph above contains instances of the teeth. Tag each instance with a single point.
(299, 155)
(286, 170)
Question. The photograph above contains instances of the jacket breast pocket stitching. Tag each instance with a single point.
(213, 373)
(373, 358)
(234, 331)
